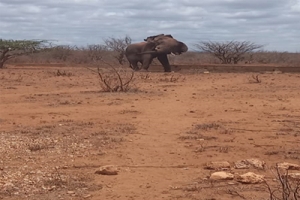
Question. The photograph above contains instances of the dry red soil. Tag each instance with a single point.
(56, 131)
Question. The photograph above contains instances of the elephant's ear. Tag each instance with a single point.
(151, 38)
(170, 36)
(150, 46)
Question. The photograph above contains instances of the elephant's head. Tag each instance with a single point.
(164, 44)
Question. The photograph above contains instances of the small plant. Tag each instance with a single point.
(196, 135)
(172, 79)
(201, 147)
(19, 78)
(35, 147)
(255, 79)
(145, 76)
(116, 80)
(66, 102)
(224, 149)
(207, 126)
(56, 179)
(63, 73)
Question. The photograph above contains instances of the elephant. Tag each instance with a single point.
(157, 46)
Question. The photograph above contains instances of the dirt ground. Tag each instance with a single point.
(56, 131)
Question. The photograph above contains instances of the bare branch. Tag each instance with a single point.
(288, 189)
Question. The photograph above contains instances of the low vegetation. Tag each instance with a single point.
(113, 50)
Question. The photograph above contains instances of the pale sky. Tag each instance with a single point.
(274, 23)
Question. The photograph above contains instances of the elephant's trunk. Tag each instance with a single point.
(184, 47)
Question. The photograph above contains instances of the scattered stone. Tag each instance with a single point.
(256, 163)
(52, 188)
(107, 170)
(277, 71)
(218, 165)
(8, 187)
(250, 178)
(221, 176)
(245, 164)
(232, 183)
(288, 166)
(294, 176)
(87, 196)
(70, 192)
(241, 164)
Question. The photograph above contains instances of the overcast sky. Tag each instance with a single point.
(274, 23)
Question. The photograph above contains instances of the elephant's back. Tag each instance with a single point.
(135, 48)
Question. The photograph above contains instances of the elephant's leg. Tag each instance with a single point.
(163, 59)
(134, 66)
(146, 62)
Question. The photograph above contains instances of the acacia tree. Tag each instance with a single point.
(228, 52)
(118, 45)
(13, 48)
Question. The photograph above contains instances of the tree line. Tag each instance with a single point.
(229, 52)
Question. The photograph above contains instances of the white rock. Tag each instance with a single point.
(295, 176)
(108, 170)
(288, 166)
(250, 178)
(241, 164)
(221, 176)
(218, 165)
(256, 163)
(245, 164)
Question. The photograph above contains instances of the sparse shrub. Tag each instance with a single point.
(62, 52)
(56, 179)
(116, 80)
(201, 147)
(145, 76)
(223, 149)
(115, 48)
(196, 135)
(63, 73)
(172, 78)
(228, 52)
(286, 189)
(207, 126)
(118, 45)
(36, 147)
